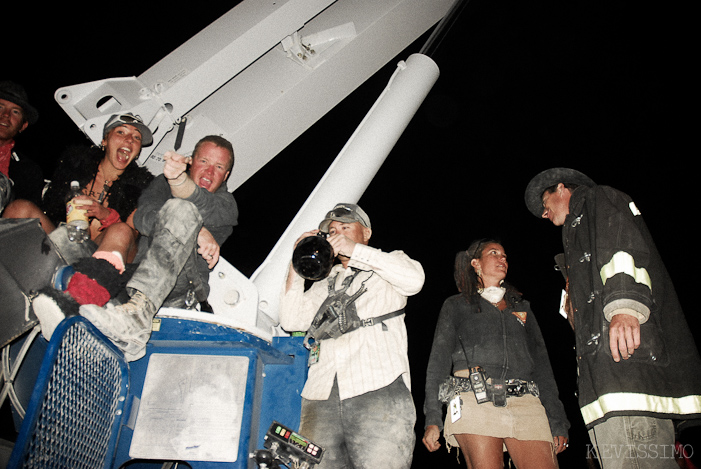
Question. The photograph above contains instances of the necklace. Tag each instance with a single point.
(106, 185)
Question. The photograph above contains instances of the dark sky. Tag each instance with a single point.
(524, 86)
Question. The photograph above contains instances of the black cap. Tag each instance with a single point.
(15, 93)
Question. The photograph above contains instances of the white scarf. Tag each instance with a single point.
(493, 294)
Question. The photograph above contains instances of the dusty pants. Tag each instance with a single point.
(370, 431)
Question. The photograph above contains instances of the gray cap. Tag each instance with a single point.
(345, 213)
(548, 178)
(129, 119)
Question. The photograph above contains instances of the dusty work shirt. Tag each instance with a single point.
(368, 358)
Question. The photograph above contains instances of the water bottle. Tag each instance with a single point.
(76, 218)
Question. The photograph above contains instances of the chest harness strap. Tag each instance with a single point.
(337, 315)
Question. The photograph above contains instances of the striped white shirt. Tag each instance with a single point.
(368, 358)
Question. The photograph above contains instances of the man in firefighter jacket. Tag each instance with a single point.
(639, 368)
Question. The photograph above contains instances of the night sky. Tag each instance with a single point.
(524, 86)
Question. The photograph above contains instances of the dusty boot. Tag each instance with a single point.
(128, 325)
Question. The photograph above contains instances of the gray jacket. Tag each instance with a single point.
(219, 213)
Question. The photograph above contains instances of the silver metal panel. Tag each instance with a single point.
(191, 408)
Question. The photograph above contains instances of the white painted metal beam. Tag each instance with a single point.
(236, 79)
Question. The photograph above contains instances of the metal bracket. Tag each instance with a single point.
(306, 50)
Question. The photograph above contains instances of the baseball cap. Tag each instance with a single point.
(345, 213)
(116, 120)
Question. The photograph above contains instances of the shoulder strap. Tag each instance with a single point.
(378, 319)
(346, 282)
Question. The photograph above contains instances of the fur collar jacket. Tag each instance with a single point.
(79, 163)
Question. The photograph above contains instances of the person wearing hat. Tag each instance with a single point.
(356, 403)
(185, 215)
(23, 178)
(638, 365)
(111, 182)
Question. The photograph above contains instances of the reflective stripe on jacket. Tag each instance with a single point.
(612, 263)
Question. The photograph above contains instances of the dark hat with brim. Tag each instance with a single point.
(548, 178)
(15, 93)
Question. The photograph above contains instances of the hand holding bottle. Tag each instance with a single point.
(91, 206)
(76, 215)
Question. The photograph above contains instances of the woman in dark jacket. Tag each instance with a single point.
(489, 325)
(111, 182)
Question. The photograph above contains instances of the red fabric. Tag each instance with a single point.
(87, 291)
(5, 152)
(111, 219)
(683, 456)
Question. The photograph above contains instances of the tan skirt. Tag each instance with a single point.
(523, 418)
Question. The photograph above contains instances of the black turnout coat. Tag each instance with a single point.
(612, 263)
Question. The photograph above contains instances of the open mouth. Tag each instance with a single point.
(124, 154)
(205, 183)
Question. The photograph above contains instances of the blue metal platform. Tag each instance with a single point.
(204, 395)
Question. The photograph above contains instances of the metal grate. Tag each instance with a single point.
(82, 398)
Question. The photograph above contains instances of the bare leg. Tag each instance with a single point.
(481, 452)
(25, 209)
(531, 454)
(119, 237)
